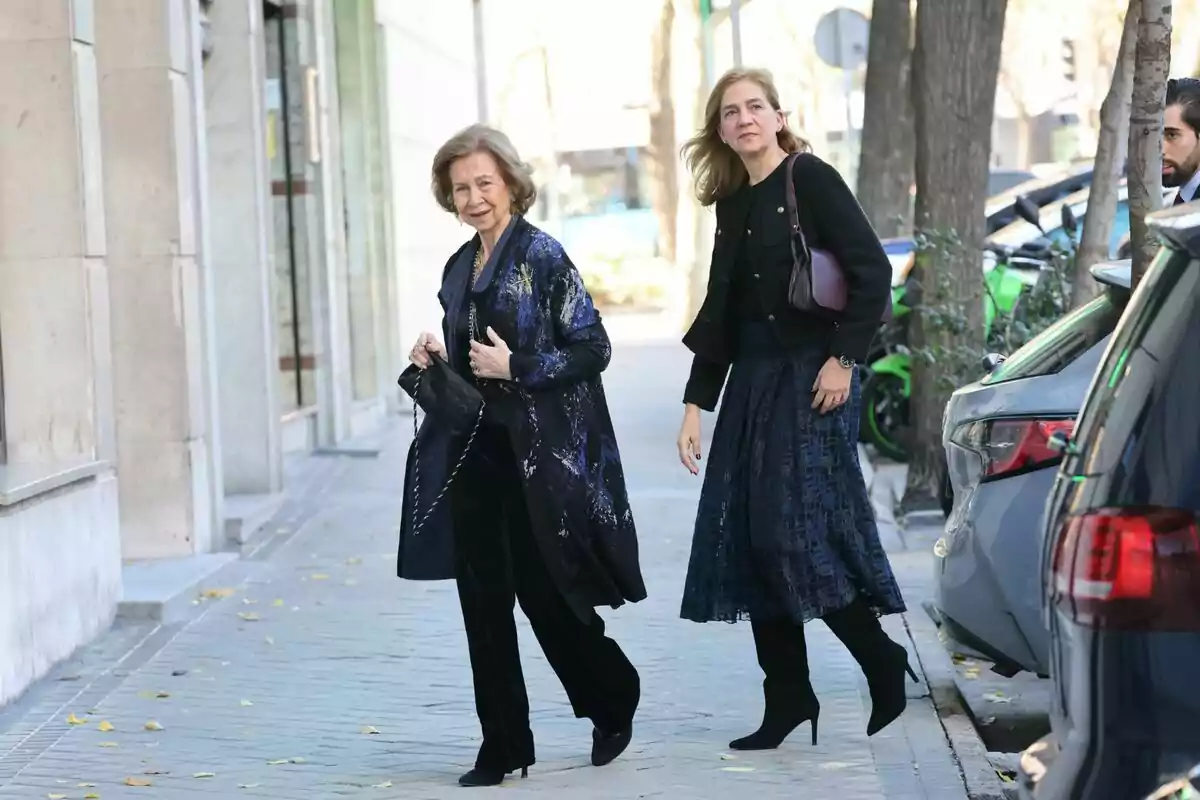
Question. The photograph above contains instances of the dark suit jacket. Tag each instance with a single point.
(831, 219)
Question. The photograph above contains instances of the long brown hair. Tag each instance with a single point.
(716, 169)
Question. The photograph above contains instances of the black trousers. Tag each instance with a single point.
(497, 560)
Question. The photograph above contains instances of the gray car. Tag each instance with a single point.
(1001, 469)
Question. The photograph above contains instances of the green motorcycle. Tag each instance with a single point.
(887, 384)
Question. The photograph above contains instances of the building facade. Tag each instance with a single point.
(216, 245)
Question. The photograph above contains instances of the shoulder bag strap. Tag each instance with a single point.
(794, 214)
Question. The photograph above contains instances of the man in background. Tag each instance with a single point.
(1181, 138)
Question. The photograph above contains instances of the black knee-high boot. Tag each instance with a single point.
(787, 692)
(882, 660)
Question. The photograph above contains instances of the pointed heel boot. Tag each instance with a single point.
(888, 698)
(777, 726)
(482, 776)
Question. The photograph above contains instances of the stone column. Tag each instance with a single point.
(54, 320)
(161, 382)
(243, 248)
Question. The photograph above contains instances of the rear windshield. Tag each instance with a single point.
(1064, 341)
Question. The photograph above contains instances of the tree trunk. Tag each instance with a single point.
(956, 63)
(1110, 163)
(1144, 171)
(885, 167)
(663, 157)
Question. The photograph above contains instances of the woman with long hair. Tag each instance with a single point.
(785, 532)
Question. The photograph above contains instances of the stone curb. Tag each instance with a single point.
(980, 777)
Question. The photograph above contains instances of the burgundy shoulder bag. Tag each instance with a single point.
(818, 283)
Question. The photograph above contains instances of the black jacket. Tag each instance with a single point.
(831, 219)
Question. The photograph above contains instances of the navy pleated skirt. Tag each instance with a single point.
(785, 526)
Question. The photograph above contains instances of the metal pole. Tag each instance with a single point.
(735, 22)
(480, 63)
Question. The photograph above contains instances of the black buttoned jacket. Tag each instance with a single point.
(831, 219)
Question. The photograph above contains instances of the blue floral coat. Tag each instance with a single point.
(557, 416)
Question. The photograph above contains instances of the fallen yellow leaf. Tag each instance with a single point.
(105, 727)
(320, 576)
(370, 730)
(85, 785)
(217, 594)
(138, 782)
(74, 720)
(737, 769)
(91, 796)
(161, 695)
(53, 796)
(354, 561)
(249, 616)
(153, 726)
(204, 774)
(109, 744)
(384, 785)
(278, 603)
(246, 703)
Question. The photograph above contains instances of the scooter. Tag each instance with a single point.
(887, 384)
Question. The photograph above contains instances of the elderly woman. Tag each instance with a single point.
(537, 508)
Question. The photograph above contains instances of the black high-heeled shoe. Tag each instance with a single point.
(483, 776)
(777, 725)
(606, 747)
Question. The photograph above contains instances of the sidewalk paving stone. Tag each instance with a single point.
(310, 671)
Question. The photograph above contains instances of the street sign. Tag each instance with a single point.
(841, 38)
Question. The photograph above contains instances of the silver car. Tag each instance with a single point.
(1001, 469)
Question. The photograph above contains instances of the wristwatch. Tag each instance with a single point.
(846, 362)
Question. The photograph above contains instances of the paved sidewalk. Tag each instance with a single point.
(312, 672)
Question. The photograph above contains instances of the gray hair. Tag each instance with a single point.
(483, 139)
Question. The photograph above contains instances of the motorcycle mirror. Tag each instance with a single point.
(993, 360)
(1028, 211)
(1069, 222)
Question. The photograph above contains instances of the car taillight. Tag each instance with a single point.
(1130, 568)
(1011, 445)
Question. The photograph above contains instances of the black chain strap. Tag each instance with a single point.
(417, 468)
(474, 327)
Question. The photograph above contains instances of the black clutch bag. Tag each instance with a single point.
(452, 402)
(443, 394)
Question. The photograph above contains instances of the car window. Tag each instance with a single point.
(1140, 413)
(1065, 340)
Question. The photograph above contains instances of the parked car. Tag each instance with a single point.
(1000, 469)
(1121, 550)
(1001, 179)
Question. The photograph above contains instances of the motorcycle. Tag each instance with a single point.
(887, 384)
